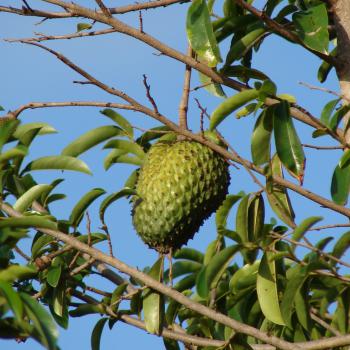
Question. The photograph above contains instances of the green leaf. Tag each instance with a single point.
(342, 244)
(244, 73)
(289, 98)
(130, 147)
(90, 139)
(266, 286)
(344, 159)
(245, 277)
(340, 185)
(256, 217)
(58, 163)
(242, 219)
(328, 110)
(288, 146)
(83, 26)
(120, 120)
(302, 228)
(211, 274)
(244, 44)
(183, 268)
(7, 128)
(23, 129)
(261, 138)
(246, 110)
(112, 198)
(296, 278)
(214, 88)
(40, 242)
(87, 309)
(27, 198)
(27, 221)
(224, 210)
(325, 68)
(230, 105)
(54, 272)
(312, 27)
(43, 322)
(17, 272)
(302, 307)
(278, 196)
(189, 254)
(80, 208)
(96, 333)
(18, 151)
(113, 157)
(12, 298)
(153, 302)
(338, 116)
(200, 33)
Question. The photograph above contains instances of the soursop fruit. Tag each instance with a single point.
(180, 185)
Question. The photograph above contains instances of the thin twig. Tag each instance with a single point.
(88, 228)
(318, 88)
(324, 227)
(82, 267)
(322, 147)
(141, 22)
(183, 107)
(148, 94)
(324, 324)
(21, 253)
(103, 8)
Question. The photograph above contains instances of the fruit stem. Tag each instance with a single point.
(183, 107)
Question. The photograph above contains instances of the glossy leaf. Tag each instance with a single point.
(344, 159)
(266, 286)
(325, 68)
(43, 323)
(244, 44)
(54, 272)
(245, 277)
(213, 88)
(23, 129)
(80, 208)
(90, 139)
(304, 226)
(200, 33)
(342, 244)
(278, 195)
(97, 333)
(7, 128)
(30, 196)
(230, 105)
(19, 151)
(112, 198)
(189, 254)
(28, 221)
(130, 147)
(12, 298)
(256, 217)
(58, 163)
(120, 120)
(242, 219)
(87, 309)
(39, 243)
(312, 27)
(328, 110)
(340, 185)
(153, 302)
(211, 274)
(288, 145)
(224, 210)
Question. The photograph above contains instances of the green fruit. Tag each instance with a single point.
(180, 185)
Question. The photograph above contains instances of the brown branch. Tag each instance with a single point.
(82, 267)
(103, 8)
(183, 107)
(150, 282)
(44, 37)
(21, 253)
(324, 227)
(322, 148)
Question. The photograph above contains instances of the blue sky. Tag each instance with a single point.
(30, 74)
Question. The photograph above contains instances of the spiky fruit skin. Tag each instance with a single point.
(180, 185)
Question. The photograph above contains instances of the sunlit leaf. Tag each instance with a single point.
(120, 120)
(90, 139)
(58, 163)
(312, 27)
(267, 291)
(230, 105)
(200, 33)
(80, 208)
